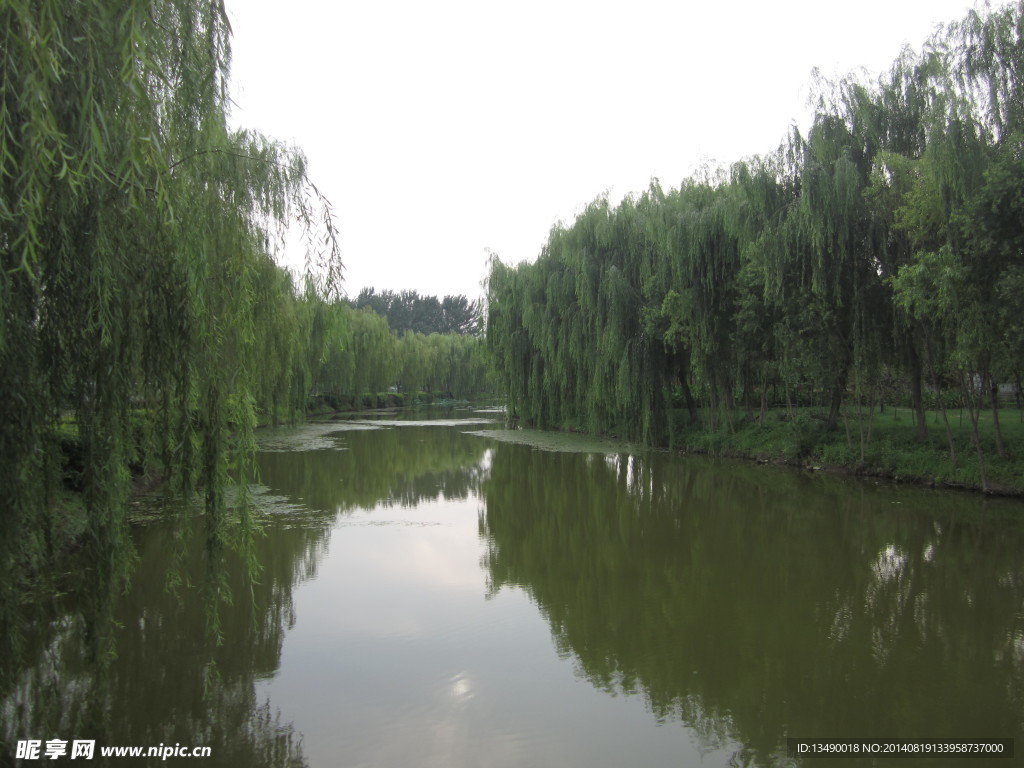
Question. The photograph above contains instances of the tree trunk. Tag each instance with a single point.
(764, 399)
(728, 401)
(994, 394)
(871, 426)
(691, 403)
(945, 416)
(835, 402)
(748, 400)
(916, 399)
(973, 410)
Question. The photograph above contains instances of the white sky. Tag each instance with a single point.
(444, 129)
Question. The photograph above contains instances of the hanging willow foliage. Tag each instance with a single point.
(133, 244)
(884, 244)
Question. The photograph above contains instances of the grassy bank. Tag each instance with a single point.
(884, 445)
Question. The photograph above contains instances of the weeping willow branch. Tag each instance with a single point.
(890, 231)
(324, 264)
(130, 304)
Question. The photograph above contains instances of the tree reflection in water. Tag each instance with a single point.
(752, 604)
(141, 669)
(158, 677)
(748, 604)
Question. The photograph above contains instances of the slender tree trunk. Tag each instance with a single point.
(949, 429)
(691, 403)
(973, 410)
(942, 410)
(835, 404)
(748, 400)
(764, 399)
(709, 403)
(994, 394)
(871, 425)
(728, 402)
(916, 398)
(860, 418)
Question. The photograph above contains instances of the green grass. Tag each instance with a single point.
(893, 449)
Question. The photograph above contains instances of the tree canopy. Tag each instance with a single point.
(146, 325)
(407, 311)
(136, 242)
(884, 245)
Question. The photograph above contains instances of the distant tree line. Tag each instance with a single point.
(407, 311)
(883, 251)
(352, 352)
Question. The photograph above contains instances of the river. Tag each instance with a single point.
(445, 592)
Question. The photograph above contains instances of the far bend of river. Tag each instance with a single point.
(450, 594)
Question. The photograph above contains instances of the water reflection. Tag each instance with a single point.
(163, 680)
(747, 604)
(754, 604)
(140, 668)
(393, 465)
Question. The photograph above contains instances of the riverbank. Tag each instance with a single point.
(885, 445)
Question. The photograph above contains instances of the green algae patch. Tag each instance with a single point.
(315, 436)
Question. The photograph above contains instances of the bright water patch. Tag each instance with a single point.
(422, 422)
(557, 441)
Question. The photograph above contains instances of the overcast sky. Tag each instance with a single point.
(443, 130)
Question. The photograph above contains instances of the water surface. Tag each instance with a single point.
(446, 593)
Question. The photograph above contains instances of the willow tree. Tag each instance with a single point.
(801, 267)
(703, 248)
(765, 189)
(133, 229)
(989, 65)
(993, 231)
(509, 345)
(569, 333)
(664, 311)
(957, 206)
(613, 360)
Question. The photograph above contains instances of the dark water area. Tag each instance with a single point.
(442, 592)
